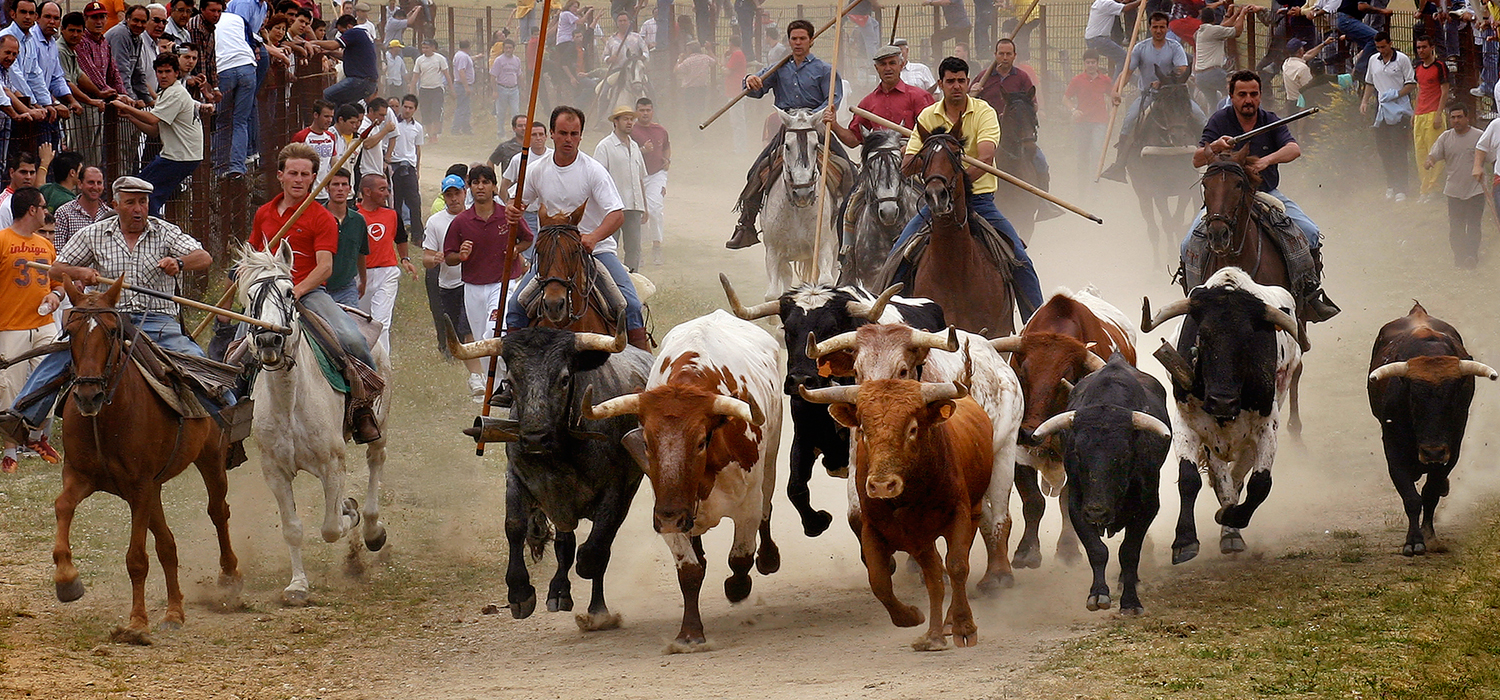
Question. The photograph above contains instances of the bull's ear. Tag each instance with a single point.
(586, 360)
(836, 364)
(938, 411)
(844, 414)
(635, 443)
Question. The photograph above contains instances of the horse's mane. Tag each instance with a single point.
(1234, 162)
(881, 138)
(254, 264)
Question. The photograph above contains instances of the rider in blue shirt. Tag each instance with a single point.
(1151, 59)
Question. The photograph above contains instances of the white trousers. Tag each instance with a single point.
(481, 300)
(656, 191)
(379, 299)
(13, 343)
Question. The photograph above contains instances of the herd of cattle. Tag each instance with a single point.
(941, 424)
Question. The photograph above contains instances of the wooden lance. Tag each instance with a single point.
(1019, 23)
(182, 300)
(833, 90)
(1114, 109)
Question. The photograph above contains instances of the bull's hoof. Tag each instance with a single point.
(930, 643)
(1414, 549)
(70, 591)
(1236, 516)
(597, 622)
(768, 559)
(561, 602)
(1098, 601)
(993, 584)
(294, 597)
(1132, 611)
(1030, 558)
(1068, 556)
(168, 625)
(1184, 553)
(377, 542)
(840, 473)
(737, 587)
(814, 525)
(689, 644)
(907, 616)
(130, 635)
(523, 609)
(1231, 544)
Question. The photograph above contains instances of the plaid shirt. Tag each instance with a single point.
(203, 37)
(71, 218)
(95, 60)
(102, 247)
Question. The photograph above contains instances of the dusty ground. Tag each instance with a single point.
(410, 623)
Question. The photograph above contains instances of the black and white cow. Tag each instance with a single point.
(824, 312)
(1114, 440)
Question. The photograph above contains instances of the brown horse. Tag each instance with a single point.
(1235, 239)
(956, 271)
(121, 438)
(564, 269)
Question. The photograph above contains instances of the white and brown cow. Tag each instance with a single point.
(710, 427)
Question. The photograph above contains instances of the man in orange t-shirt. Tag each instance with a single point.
(27, 299)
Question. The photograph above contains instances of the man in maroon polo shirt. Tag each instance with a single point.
(476, 243)
(996, 87)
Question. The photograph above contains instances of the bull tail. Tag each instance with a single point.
(538, 533)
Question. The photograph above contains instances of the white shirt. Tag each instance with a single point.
(648, 32)
(449, 276)
(918, 75)
(1210, 40)
(563, 189)
(513, 172)
(395, 69)
(370, 29)
(626, 167)
(1489, 143)
(230, 48)
(429, 71)
(1385, 77)
(1102, 16)
(6, 218)
(372, 160)
(1295, 75)
(408, 135)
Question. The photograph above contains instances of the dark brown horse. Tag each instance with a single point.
(956, 271)
(565, 271)
(121, 438)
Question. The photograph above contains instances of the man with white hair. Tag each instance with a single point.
(156, 27)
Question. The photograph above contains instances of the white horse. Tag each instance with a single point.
(299, 417)
(789, 218)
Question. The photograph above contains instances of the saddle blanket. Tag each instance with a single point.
(902, 265)
(1289, 240)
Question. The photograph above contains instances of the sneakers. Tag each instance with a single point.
(476, 387)
(1489, 116)
(1389, 193)
(1478, 91)
(1400, 197)
(44, 450)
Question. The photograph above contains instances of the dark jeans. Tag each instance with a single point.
(1028, 287)
(432, 107)
(406, 191)
(1362, 34)
(166, 178)
(1465, 227)
(744, 11)
(349, 90)
(319, 302)
(984, 27)
(1393, 141)
(461, 109)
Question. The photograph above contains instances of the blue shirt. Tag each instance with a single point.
(359, 55)
(254, 12)
(1225, 123)
(805, 86)
(57, 81)
(28, 68)
(1146, 59)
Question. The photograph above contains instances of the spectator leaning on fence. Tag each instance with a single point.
(58, 79)
(173, 118)
(177, 20)
(88, 208)
(94, 53)
(28, 76)
(125, 41)
(201, 31)
(361, 64)
(151, 41)
(1103, 15)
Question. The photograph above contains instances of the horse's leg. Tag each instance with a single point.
(374, 530)
(1148, 213)
(137, 564)
(280, 484)
(340, 514)
(216, 480)
(75, 488)
(166, 554)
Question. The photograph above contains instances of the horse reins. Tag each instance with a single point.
(266, 289)
(946, 143)
(548, 259)
(114, 364)
(1236, 214)
(888, 158)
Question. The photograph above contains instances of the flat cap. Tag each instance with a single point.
(131, 184)
(886, 52)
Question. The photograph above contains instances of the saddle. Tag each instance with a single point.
(606, 298)
(360, 384)
(901, 266)
(180, 379)
(1270, 215)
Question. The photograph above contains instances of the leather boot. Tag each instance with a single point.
(1116, 171)
(1318, 307)
(745, 234)
(639, 339)
(363, 425)
(503, 397)
(236, 455)
(13, 425)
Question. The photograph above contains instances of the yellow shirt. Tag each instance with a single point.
(980, 125)
(24, 286)
(1019, 6)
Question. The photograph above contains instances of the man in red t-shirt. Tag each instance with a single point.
(313, 240)
(656, 150)
(1088, 94)
(388, 240)
(1427, 125)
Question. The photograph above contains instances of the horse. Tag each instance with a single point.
(790, 215)
(622, 85)
(1017, 155)
(122, 438)
(1167, 135)
(565, 271)
(957, 272)
(890, 200)
(299, 417)
(1236, 240)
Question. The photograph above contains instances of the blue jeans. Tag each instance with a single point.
(460, 108)
(1362, 34)
(507, 104)
(515, 316)
(166, 177)
(163, 329)
(348, 295)
(1028, 287)
(1490, 71)
(1293, 212)
(344, 91)
(1107, 48)
(237, 109)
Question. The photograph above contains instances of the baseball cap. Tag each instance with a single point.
(395, 44)
(131, 184)
(886, 52)
(1295, 45)
(94, 8)
(452, 182)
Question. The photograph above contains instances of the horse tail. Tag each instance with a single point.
(538, 532)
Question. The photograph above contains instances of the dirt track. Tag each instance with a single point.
(411, 622)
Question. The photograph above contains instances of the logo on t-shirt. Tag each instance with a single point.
(377, 231)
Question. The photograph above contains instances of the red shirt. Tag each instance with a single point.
(995, 88)
(382, 226)
(734, 72)
(1092, 95)
(316, 230)
(657, 134)
(1430, 81)
(486, 263)
(901, 104)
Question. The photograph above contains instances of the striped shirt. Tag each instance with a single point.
(71, 218)
(102, 247)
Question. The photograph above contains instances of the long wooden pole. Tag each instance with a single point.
(182, 300)
(510, 247)
(828, 136)
(275, 241)
(1019, 23)
(777, 66)
(1012, 179)
(1114, 109)
(895, 22)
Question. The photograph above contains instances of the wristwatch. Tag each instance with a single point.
(180, 266)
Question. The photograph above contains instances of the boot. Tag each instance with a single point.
(503, 397)
(745, 234)
(362, 424)
(236, 455)
(1318, 307)
(639, 339)
(13, 425)
(1115, 172)
(751, 200)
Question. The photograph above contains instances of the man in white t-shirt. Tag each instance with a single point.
(1390, 80)
(372, 160)
(174, 118)
(445, 285)
(915, 74)
(431, 77)
(508, 179)
(561, 183)
(1102, 17)
(321, 135)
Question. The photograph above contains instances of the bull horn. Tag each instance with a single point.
(1282, 320)
(944, 391)
(1470, 368)
(817, 350)
(873, 310)
(600, 342)
(743, 410)
(1091, 362)
(1388, 370)
(1010, 343)
(935, 341)
(470, 351)
(1149, 423)
(1066, 385)
(761, 310)
(618, 406)
(830, 394)
(1177, 308)
(1061, 421)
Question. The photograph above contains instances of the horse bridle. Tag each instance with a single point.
(265, 290)
(953, 148)
(787, 172)
(1021, 143)
(891, 155)
(545, 261)
(126, 333)
(1235, 213)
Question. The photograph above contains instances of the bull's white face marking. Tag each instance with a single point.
(812, 298)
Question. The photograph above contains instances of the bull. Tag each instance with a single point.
(558, 466)
(710, 426)
(922, 466)
(1421, 384)
(1114, 439)
(1241, 337)
(824, 311)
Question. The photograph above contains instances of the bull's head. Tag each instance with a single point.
(879, 351)
(691, 434)
(1101, 447)
(1047, 365)
(895, 418)
(1438, 392)
(1236, 348)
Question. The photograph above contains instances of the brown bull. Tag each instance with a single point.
(922, 465)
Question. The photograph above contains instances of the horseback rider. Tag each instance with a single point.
(981, 129)
(892, 99)
(314, 239)
(151, 254)
(1267, 150)
(624, 45)
(805, 81)
(1154, 57)
(562, 181)
(1002, 79)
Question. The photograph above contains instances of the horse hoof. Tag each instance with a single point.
(597, 622)
(351, 510)
(70, 591)
(689, 645)
(815, 524)
(293, 597)
(1414, 549)
(926, 643)
(1098, 601)
(1026, 559)
(1231, 544)
(128, 635)
(1136, 611)
(1184, 553)
(737, 587)
(523, 609)
(561, 603)
(377, 542)
(168, 626)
